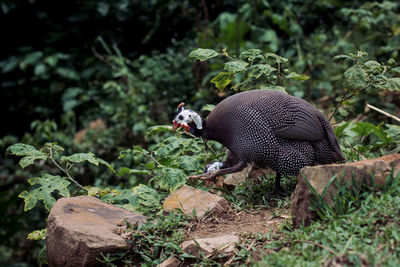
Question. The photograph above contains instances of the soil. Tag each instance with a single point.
(242, 222)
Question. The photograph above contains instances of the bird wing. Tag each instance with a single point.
(289, 117)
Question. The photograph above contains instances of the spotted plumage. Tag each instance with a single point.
(267, 128)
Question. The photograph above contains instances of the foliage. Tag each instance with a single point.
(78, 74)
(253, 69)
(365, 234)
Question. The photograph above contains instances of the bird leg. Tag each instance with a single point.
(277, 182)
(240, 165)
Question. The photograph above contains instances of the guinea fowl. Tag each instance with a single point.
(266, 128)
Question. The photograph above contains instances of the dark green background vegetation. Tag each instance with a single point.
(65, 64)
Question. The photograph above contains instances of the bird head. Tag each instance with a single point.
(187, 119)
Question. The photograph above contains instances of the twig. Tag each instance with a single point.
(150, 156)
(66, 172)
(315, 244)
(383, 112)
(344, 98)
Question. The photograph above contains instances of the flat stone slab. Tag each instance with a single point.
(188, 198)
(319, 176)
(216, 245)
(80, 228)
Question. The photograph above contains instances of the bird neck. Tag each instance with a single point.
(196, 131)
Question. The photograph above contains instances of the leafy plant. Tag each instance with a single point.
(253, 69)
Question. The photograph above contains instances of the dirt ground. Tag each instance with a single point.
(242, 222)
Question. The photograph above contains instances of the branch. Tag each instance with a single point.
(344, 98)
(383, 112)
(66, 172)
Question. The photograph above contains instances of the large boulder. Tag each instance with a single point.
(80, 228)
(319, 176)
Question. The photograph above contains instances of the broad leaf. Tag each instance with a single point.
(38, 234)
(364, 128)
(260, 69)
(90, 157)
(208, 107)
(298, 77)
(124, 171)
(273, 87)
(170, 179)
(276, 58)
(43, 189)
(251, 55)
(355, 78)
(235, 66)
(202, 54)
(342, 57)
(31, 153)
(392, 84)
(137, 199)
(158, 129)
(222, 80)
(340, 129)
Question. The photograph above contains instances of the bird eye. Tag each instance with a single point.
(190, 116)
(180, 117)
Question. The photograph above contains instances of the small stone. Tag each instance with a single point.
(80, 228)
(319, 176)
(250, 172)
(188, 198)
(218, 245)
(170, 262)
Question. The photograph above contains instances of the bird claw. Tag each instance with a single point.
(209, 176)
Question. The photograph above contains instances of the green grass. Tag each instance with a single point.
(368, 235)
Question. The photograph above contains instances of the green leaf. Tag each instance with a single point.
(392, 84)
(260, 69)
(28, 160)
(31, 153)
(43, 189)
(188, 163)
(202, 54)
(80, 157)
(37, 235)
(276, 58)
(397, 70)
(298, 77)
(373, 66)
(342, 57)
(235, 66)
(222, 80)
(124, 171)
(251, 55)
(340, 129)
(382, 134)
(355, 78)
(170, 179)
(208, 107)
(68, 73)
(137, 199)
(364, 128)
(273, 87)
(158, 129)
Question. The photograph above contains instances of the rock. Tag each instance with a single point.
(170, 262)
(217, 245)
(79, 228)
(250, 172)
(319, 177)
(188, 198)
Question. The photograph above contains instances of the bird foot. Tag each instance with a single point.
(204, 176)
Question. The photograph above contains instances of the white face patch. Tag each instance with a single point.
(187, 116)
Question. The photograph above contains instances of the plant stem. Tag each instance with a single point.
(344, 98)
(66, 172)
(383, 112)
